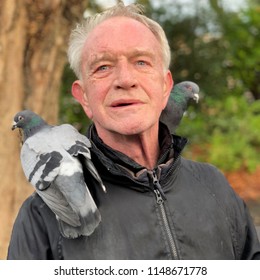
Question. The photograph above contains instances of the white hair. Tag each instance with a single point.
(79, 35)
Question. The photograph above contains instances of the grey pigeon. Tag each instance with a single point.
(178, 103)
(53, 159)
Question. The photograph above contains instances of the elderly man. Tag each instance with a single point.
(158, 205)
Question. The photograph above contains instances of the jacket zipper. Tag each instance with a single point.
(160, 198)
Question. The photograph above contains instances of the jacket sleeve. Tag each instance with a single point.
(30, 239)
(244, 233)
(252, 246)
(245, 240)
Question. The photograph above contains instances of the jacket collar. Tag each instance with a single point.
(118, 163)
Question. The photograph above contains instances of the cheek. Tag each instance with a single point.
(95, 104)
(165, 90)
(160, 100)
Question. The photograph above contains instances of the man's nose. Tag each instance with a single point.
(125, 76)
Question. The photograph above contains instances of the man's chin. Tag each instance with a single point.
(134, 128)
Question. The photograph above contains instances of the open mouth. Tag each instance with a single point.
(124, 103)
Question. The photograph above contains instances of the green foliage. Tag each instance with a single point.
(235, 141)
(241, 32)
(227, 134)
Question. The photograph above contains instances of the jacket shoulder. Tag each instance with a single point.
(213, 181)
(35, 224)
(205, 172)
(34, 201)
(34, 207)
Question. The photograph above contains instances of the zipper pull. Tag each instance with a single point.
(158, 188)
(158, 195)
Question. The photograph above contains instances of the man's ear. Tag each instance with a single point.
(81, 96)
(168, 84)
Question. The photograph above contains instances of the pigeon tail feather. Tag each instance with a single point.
(88, 225)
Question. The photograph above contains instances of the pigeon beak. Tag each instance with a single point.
(196, 97)
(14, 126)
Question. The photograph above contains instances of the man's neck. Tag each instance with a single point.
(142, 148)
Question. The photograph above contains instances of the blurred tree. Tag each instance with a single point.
(241, 32)
(33, 40)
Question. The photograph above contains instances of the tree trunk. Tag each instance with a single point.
(33, 42)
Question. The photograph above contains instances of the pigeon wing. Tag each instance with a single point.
(42, 153)
(78, 145)
(41, 168)
(39, 161)
(72, 185)
(56, 201)
(50, 159)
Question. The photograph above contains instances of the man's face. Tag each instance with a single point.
(124, 86)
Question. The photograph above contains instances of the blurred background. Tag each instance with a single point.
(214, 43)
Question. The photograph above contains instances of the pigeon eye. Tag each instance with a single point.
(20, 118)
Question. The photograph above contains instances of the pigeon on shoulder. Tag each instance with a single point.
(56, 160)
(178, 102)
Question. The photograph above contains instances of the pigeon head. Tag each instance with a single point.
(188, 90)
(28, 121)
(182, 94)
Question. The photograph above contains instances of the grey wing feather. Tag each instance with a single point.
(82, 203)
(69, 136)
(40, 165)
(59, 205)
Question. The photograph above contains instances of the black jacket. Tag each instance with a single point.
(180, 210)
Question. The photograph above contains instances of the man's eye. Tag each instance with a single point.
(102, 68)
(141, 62)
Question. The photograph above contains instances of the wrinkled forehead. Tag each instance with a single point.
(116, 24)
(120, 33)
